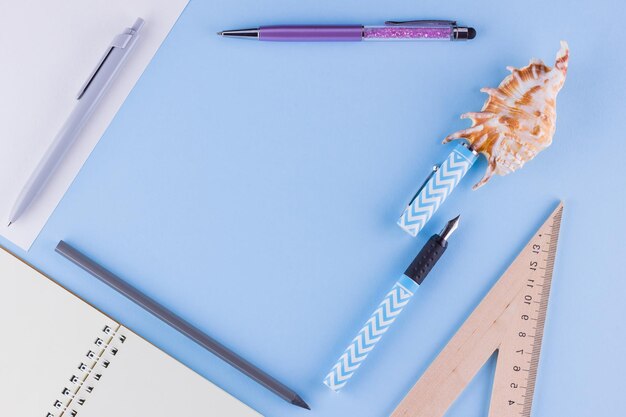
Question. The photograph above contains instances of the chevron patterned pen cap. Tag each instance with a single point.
(436, 189)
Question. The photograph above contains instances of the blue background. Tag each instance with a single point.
(253, 188)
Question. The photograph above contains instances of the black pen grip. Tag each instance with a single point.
(426, 259)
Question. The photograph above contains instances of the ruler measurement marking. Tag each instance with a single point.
(540, 313)
(502, 321)
(543, 309)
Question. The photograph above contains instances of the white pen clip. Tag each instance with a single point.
(421, 23)
(120, 41)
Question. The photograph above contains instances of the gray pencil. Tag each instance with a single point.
(181, 325)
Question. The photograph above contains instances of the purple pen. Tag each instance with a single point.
(414, 30)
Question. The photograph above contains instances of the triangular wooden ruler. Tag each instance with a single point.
(510, 319)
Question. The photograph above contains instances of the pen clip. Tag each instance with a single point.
(83, 89)
(433, 172)
(421, 23)
(120, 41)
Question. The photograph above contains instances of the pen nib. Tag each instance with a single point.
(10, 223)
(451, 226)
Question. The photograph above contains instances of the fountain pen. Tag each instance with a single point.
(389, 309)
(413, 30)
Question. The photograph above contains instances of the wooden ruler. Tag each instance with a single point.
(510, 319)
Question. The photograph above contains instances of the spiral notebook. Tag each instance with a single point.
(61, 357)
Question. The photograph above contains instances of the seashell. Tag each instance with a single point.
(518, 119)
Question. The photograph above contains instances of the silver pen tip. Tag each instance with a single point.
(10, 223)
(240, 33)
(450, 228)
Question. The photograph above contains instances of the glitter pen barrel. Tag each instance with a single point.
(413, 30)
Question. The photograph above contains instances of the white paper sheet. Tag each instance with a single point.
(46, 334)
(48, 50)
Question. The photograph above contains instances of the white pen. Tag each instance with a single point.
(88, 98)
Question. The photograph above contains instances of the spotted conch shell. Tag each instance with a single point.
(518, 119)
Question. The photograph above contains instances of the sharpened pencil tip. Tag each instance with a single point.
(300, 402)
(10, 223)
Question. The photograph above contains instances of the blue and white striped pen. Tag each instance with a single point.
(390, 308)
(442, 180)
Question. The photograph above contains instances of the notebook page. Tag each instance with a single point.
(61, 357)
(144, 381)
(46, 333)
